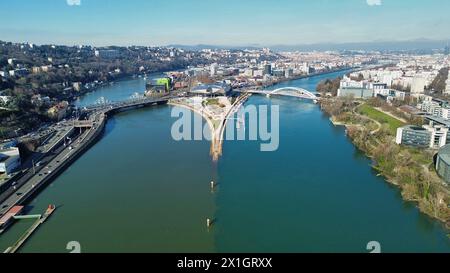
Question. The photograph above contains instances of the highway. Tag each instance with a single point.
(55, 137)
(51, 162)
(57, 153)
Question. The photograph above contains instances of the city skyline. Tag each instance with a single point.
(266, 23)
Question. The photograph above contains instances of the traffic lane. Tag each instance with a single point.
(31, 179)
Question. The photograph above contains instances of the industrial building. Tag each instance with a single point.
(366, 90)
(355, 92)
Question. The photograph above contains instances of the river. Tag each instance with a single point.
(137, 190)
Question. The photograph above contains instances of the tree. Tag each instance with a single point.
(329, 86)
(439, 83)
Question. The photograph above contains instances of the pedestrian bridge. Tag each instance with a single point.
(288, 92)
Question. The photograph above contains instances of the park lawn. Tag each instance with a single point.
(381, 117)
(212, 102)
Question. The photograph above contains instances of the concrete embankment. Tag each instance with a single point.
(217, 143)
(216, 133)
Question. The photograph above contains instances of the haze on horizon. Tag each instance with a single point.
(222, 22)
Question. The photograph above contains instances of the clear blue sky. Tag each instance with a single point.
(222, 22)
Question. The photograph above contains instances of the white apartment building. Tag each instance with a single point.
(418, 85)
(434, 108)
(213, 69)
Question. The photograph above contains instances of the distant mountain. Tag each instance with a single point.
(418, 44)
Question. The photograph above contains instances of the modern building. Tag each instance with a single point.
(9, 160)
(159, 85)
(390, 94)
(443, 163)
(355, 92)
(267, 69)
(431, 107)
(437, 121)
(427, 136)
(217, 89)
(413, 136)
(435, 107)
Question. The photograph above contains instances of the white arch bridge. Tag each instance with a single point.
(286, 91)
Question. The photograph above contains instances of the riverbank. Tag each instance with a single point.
(412, 170)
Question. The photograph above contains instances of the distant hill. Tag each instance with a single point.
(419, 45)
(202, 46)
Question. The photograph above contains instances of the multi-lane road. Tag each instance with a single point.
(60, 150)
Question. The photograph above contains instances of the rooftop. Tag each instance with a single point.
(414, 127)
(439, 120)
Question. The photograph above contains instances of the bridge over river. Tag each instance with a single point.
(285, 91)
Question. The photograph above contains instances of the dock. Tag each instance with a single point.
(39, 221)
(7, 219)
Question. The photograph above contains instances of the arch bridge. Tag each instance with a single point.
(288, 92)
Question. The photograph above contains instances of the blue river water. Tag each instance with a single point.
(138, 190)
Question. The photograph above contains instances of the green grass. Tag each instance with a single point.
(212, 101)
(381, 117)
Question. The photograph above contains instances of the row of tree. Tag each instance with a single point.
(439, 83)
(329, 86)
